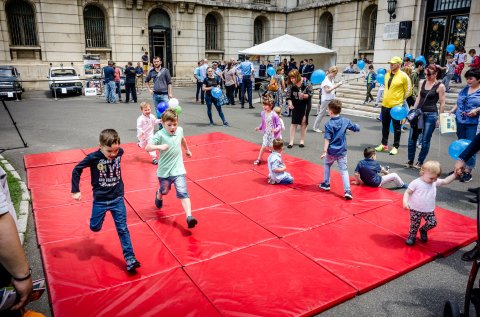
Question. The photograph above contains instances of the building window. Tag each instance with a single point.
(325, 30)
(21, 23)
(445, 5)
(258, 31)
(369, 27)
(211, 33)
(94, 24)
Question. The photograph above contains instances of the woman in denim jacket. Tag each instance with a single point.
(467, 113)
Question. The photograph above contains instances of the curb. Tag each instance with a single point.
(24, 203)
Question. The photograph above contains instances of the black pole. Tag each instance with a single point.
(16, 128)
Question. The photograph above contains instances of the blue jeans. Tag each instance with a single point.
(429, 122)
(180, 183)
(209, 100)
(118, 90)
(288, 179)
(467, 131)
(119, 214)
(342, 164)
(246, 88)
(110, 92)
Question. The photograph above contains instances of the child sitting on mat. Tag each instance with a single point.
(420, 199)
(276, 167)
(107, 185)
(145, 126)
(335, 147)
(169, 142)
(270, 126)
(368, 170)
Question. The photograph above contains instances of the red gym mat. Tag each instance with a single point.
(268, 279)
(144, 297)
(258, 249)
(212, 238)
(365, 256)
(72, 221)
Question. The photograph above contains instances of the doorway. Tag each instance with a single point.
(159, 38)
(446, 23)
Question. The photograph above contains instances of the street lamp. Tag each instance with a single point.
(392, 5)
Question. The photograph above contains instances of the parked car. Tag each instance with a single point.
(64, 80)
(10, 85)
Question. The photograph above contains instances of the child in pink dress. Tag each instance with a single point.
(145, 128)
(270, 126)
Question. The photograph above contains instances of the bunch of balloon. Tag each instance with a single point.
(380, 78)
(175, 105)
(409, 56)
(382, 71)
(161, 107)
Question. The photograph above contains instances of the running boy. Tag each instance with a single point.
(145, 126)
(276, 167)
(420, 199)
(107, 188)
(335, 147)
(169, 141)
(368, 170)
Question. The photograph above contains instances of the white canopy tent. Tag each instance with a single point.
(287, 45)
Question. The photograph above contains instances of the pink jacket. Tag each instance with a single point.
(277, 125)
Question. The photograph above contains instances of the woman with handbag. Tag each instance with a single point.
(467, 113)
(299, 96)
(210, 82)
(230, 82)
(432, 91)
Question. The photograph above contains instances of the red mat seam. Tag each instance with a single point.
(213, 177)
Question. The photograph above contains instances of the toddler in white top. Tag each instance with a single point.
(278, 111)
(419, 198)
(145, 128)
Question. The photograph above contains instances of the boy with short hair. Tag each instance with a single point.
(108, 190)
(335, 147)
(169, 142)
(145, 127)
(368, 170)
(371, 77)
(276, 167)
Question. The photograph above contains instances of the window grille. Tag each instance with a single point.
(258, 31)
(261, 1)
(211, 33)
(21, 23)
(372, 27)
(443, 5)
(94, 25)
(326, 30)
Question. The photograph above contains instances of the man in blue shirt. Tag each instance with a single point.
(110, 88)
(247, 72)
(198, 78)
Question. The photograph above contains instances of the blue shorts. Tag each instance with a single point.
(180, 183)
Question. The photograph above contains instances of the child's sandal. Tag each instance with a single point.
(256, 162)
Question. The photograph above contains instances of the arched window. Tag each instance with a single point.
(21, 23)
(369, 26)
(325, 30)
(212, 33)
(94, 25)
(258, 31)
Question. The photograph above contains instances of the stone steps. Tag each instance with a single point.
(182, 81)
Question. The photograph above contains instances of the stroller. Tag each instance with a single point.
(472, 295)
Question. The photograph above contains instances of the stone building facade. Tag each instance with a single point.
(37, 33)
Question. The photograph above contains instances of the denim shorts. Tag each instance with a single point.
(180, 183)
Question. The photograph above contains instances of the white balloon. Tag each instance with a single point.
(173, 103)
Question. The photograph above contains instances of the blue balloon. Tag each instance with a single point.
(271, 71)
(317, 77)
(398, 112)
(361, 64)
(380, 79)
(450, 48)
(216, 92)
(457, 147)
(382, 71)
(161, 107)
(410, 56)
(422, 59)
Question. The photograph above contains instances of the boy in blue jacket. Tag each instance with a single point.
(335, 147)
